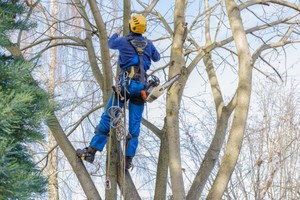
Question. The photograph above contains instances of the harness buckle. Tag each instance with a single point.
(132, 72)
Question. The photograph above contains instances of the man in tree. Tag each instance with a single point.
(135, 55)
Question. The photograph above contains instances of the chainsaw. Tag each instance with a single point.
(155, 90)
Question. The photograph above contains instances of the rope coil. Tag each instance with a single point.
(117, 115)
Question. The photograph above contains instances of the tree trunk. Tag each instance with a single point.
(126, 16)
(162, 170)
(243, 100)
(210, 158)
(112, 161)
(105, 55)
(222, 113)
(127, 186)
(89, 45)
(77, 165)
(53, 192)
(173, 103)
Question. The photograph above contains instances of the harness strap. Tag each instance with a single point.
(139, 46)
(142, 70)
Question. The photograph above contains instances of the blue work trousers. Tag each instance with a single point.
(136, 108)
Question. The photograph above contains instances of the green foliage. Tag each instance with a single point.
(23, 104)
(23, 107)
(19, 178)
(19, 89)
(10, 19)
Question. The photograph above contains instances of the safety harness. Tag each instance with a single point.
(139, 46)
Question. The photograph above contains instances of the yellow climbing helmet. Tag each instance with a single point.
(138, 24)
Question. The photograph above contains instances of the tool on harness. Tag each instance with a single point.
(139, 46)
(117, 91)
(133, 72)
(155, 90)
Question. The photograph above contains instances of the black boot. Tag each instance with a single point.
(87, 154)
(128, 162)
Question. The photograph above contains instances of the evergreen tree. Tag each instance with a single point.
(22, 106)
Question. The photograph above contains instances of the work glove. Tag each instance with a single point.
(118, 30)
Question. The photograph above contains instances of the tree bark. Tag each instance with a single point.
(126, 185)
(173, 103)
(105, 55)
(222, 113)
(162, 169)
(53, 191)
(77, 165)
(89, 45)
(235, 140)
(126, 16)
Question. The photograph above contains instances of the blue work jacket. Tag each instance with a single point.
(127, 54)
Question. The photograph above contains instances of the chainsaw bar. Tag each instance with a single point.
(171, 81)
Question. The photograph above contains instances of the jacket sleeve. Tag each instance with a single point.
(113, 41)
(155, 56)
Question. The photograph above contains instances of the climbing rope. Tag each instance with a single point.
(117, 121)
(125, 76)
